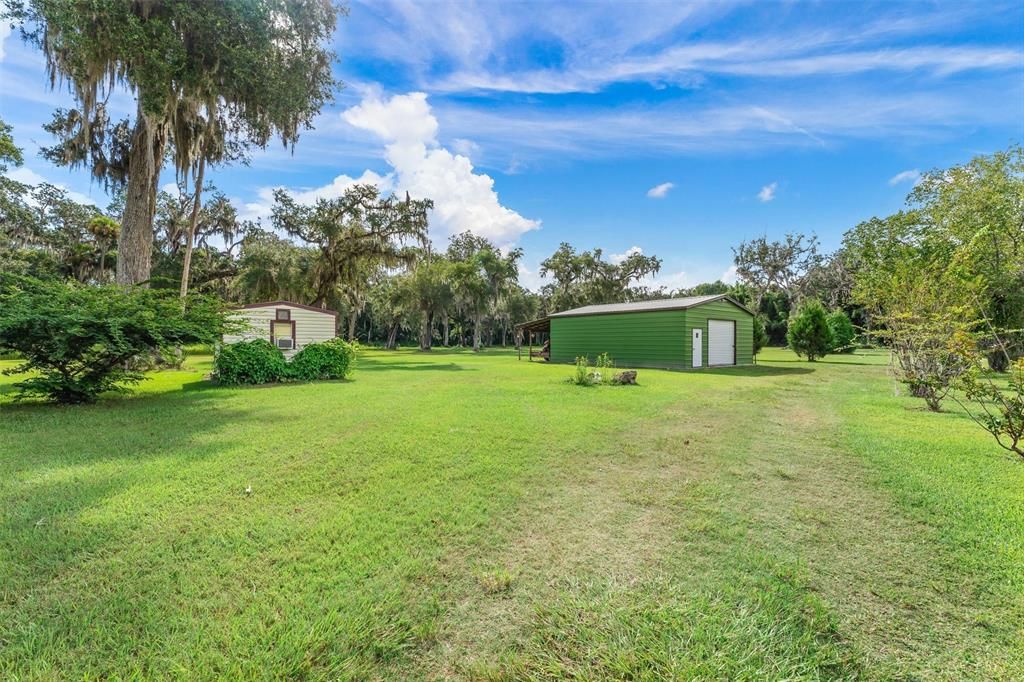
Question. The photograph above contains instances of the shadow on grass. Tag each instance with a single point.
(828, 362)
(60, 462)
(757, 371)
(367, 365)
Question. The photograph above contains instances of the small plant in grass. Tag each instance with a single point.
(602, 373)
(249, 362)
(808, 333)
(497, 582)
(605, 368)
(581, 375)
(332, 359)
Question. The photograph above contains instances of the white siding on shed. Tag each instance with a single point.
(310, 326)
(721, 342)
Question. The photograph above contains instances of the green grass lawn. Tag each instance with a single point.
(472, 516)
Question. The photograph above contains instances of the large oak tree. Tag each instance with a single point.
(209, 78)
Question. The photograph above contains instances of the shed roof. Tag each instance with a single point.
(272, 304)
(644, 306)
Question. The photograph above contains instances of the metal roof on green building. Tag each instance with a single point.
(645, 306)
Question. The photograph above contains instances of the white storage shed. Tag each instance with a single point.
(287, 325)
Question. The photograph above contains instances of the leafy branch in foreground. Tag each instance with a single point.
(79, 341)
(997, 408)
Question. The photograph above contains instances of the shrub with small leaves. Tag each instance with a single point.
(332, 359)
(842, 332)
(249, 362)
(808, 332)
(77, 342)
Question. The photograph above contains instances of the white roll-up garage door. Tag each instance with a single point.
(721, 342)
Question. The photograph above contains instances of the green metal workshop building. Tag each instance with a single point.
(674, 333)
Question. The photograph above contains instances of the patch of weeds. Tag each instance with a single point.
(602, 373)
(497, 582)
(581, 375)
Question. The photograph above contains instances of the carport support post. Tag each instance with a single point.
(531, 345)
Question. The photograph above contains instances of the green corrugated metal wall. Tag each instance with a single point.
(656, 339)
(698, 316)
(643, 339)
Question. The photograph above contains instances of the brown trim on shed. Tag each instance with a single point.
(272, 304)
(294, 337)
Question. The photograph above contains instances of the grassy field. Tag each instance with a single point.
(471, 516)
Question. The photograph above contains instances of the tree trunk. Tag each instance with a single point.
(476, 333)
(425, 332)
(103, 260)
(190, 236)
(135, 244)
(392, 337)
(446, 325)
(352, 317)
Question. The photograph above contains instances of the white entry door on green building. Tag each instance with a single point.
(721, 342)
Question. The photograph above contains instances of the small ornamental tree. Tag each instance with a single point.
(79, 341)
(842, 331)
(808, 332)
(997, 409)
(993, 402)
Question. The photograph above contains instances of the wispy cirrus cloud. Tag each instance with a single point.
(660, 191)
(912, 176)
(823, 118)
(767, 192)
(460, 48)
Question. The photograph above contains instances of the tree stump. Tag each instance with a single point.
(628, 377)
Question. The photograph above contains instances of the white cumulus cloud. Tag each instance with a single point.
(30, 177)
(767, 192)
(729, 276)
(260, 209)
(463, 198)
(619, 257)
(660, 191)
(467, 148)
(912, 176)
(672, 281)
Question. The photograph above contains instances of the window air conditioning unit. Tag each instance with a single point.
(284, 344)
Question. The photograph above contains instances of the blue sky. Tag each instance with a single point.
(679, 129)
